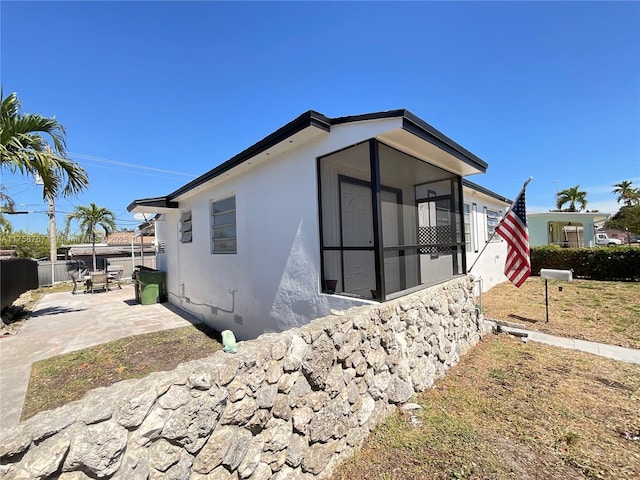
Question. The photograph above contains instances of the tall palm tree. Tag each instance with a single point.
(92, 219)
(572, 196)
(23, 148)
(626, 193)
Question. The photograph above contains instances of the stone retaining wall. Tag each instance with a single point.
(286, 406)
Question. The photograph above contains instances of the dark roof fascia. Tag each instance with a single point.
(486, 191)
(422, 129)
(414, 124)
(307, 119)
(369, 116)
(311, 118)
(162, 202)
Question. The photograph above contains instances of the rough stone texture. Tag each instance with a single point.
(286, 406)
(163, 455)
(319, 361)
(97, 449)
(317, 457)
(133, 409)
(37, 465)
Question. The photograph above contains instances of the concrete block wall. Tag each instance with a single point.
(288, 405)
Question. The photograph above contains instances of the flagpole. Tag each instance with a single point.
(494, 230)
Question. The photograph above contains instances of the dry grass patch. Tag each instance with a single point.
(514, 410)
(58, 380)
(607, 312)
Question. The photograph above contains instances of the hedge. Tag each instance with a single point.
(601, 263)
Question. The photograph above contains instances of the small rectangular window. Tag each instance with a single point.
(474, 221)
(493, 219)
(467, 227)
(186, 233)
(223, 226)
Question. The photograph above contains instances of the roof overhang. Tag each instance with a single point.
(152, 206)
(415, 137)
(308, 126)
(484, 191)
(570, 216)
(421, 140)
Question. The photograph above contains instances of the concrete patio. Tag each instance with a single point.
(62, 323)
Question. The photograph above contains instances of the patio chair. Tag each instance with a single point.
(77, 277)
(115, 273)
(99, 280)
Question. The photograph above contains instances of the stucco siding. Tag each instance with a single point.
(272, 282)
(489, 265)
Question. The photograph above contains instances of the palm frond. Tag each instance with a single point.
(24, 149)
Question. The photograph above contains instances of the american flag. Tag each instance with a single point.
(513, 228)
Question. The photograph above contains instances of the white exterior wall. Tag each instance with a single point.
(490, 265)
(275, 275)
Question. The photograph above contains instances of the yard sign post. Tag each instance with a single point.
(547, 273)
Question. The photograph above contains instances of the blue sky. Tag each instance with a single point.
(153, 94)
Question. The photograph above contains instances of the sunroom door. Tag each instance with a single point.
(356, 217)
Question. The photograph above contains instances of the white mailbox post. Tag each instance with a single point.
(550, 273)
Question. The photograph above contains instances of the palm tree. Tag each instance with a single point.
(572, 196)
(626, 193)
(24, 149)
(7, 206)
(91, 219)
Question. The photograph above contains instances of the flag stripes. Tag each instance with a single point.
(513, 228)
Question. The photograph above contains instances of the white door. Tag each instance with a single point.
(357, 231)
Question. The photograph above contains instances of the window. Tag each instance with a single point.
(223, 226)
(467, 227)
(185, 227)
(474, 220)
(493, 219)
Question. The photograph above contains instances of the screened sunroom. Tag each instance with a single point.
(390, 223)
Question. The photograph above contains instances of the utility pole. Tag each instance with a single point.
(53, 249)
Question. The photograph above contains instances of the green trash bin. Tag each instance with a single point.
(151, 283)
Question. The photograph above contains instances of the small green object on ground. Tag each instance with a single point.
(229, 342)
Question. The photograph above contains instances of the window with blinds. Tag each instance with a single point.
(223, 226)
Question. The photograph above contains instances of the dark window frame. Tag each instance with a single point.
(219, 227)
(456, 207)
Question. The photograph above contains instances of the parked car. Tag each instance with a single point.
(634, 239)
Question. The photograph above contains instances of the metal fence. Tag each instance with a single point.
(60, 272)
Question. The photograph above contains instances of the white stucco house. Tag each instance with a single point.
(323, 214)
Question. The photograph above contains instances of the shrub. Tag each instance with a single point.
(602, 263)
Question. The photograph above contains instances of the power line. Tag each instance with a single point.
(125, 164)
(130, 171)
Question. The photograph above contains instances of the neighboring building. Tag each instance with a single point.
(567, 229)
(116, 247)
(8, 253)
(323, 214)
(127, 239)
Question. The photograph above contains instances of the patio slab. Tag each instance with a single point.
(62, 323)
